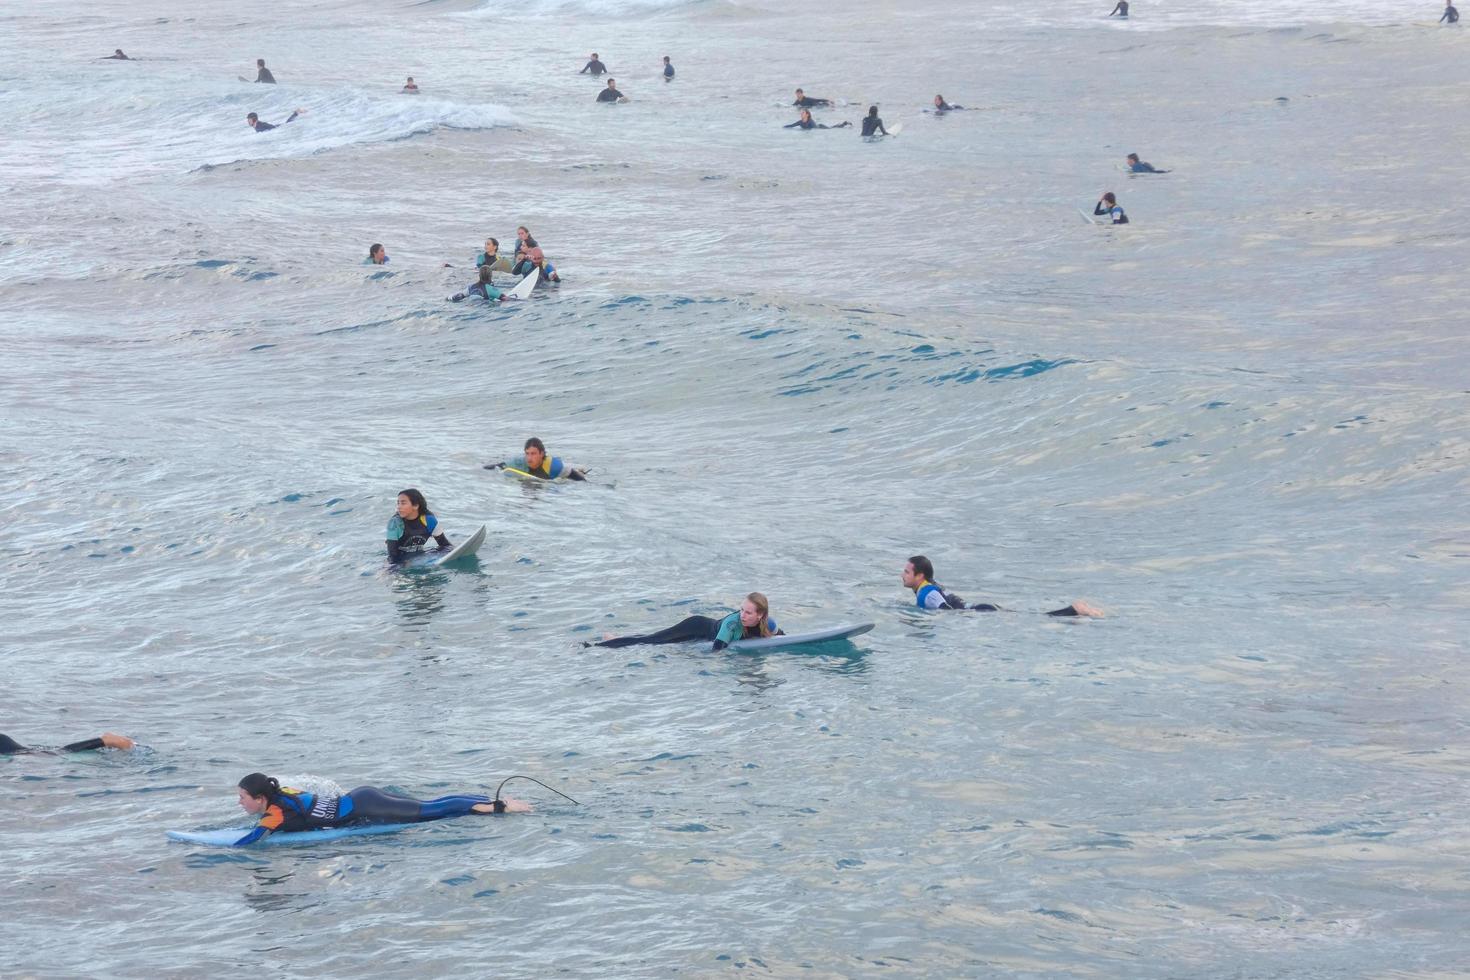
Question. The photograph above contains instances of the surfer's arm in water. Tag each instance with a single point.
(108, 740)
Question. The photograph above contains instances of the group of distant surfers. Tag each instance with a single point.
(529, 257)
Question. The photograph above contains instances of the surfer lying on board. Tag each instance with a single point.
(9, 746)
(918, 575)
(536, 463)
(942, 106)
(751, 622)
(116, 55)
(253, 121)
(481, 288)
(412, 527)
(802, 99)
(1109, 206)
(1137, 166)
(806, 122)
(291, 810)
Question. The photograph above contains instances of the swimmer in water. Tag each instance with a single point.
(377, 255)
(942, 106)
(751, 622)
(809, 101)
(9, 746)
(1137, 166)
(287, 810)
(536, 462)
(1109, 206)
(593, 65)
(116, 55)
(805, 121)
(481, 288)
(263, 75)
(1450, 15)
(542, 265)
(524, 244)
(409, 87)
(412, 527)
(253, 121)
(611, 93)
(668, 69)
(872, 125)
(1121, 9)
(918, 575)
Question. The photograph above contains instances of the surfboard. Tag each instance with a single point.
(465, 548)
(895, 129)
(512, 471)
(1087, 217)
(523, 288)
(228, 836)
(801, 639)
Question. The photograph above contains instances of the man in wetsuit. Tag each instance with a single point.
(410, 87)
(536, 462)
(9, 746)
(116, 55)
(1139, 167)
(668, 69)
(918, 575)
(1121, 9)
(805, 121)
(594, 66)
(942, 106)
(611, 93)
(808, 101)
(253, 121)
(872, 125)
(1450, 15)
(264, 75)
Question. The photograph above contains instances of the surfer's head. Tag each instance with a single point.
(1109, 199)
(485, 274)
(412, 505)
(256, 792)
(754, 612)
(535, 451)
(918, 571)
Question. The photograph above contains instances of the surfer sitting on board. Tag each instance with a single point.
(1139, 167)
(481, 287)
(412, 527)
(593, 65)
(918, 575)
(253, 121)
(1450, 15)
(291, 810)
(753, 621)
(611, 93)
(872, 125)
(1121, 9)
(535, 462)
(9, 746)
(263, 74)
(807, 122)
(942, 106)
(1109, 206)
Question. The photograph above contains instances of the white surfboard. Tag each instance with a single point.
(801, 639)
(1087, 217)
(523, 288)
(895, 129)
(465, 548)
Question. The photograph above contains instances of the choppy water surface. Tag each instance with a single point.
(791, 360)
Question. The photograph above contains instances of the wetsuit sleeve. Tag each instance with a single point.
(269, 821)
(1099, 209)
(577, 475)
(729, 631)
(292, 116)
(394, 535)
(457, 297)
(792, 125)
(934, 599)
(442, 541)
(89, 745)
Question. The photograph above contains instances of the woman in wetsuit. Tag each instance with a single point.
(805, 121)
(290, 810)
(751, 622)
(412, 527)
(524, 244)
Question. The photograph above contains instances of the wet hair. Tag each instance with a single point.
(417, 499)
(533, 441)
(923, 566)
(939, 97)
(259, 784)
(1133, 157)
(594, 56)
(1110, 198)
(762, 606)
(524, 229)
(374, 249)
(485, 273)
(666, 57)
(260, 62)
(496, 242)
(410, 78)
(251, 116)
(872, 110)
(800, 92)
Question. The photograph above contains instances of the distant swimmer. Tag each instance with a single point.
(116, 55)
(293, 810)
(377, 255)
(410, 87)
(752, 621)
(264, 74)
(524, 244)
(918, 575)
(942, 106)
(872, 125)
(810, 101)
(805, 121)
(535, 461)
(481, 288)
(668, 69)
(1139, 167)
(253, 121)
(412, 527)
(543, 266)
(1121, 9)
(1109, 206)
(595, 66)
(9, 746)
(611, 93)
(1450, 15)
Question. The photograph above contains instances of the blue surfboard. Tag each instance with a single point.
(228, 836)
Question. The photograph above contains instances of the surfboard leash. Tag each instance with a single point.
(499, 804)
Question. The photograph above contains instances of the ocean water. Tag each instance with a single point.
(791, 360)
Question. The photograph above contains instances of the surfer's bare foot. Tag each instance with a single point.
(1087, 609)
(112, 741)
(511, 806)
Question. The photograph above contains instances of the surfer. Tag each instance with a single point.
(1109, 206)
(9, 746)
(872, 125)
(537, 463)
(409, 87)
(918, 575)
(264, 74)
(253, 121)
(1139, 167)
(595, 66)
(289, 810)
(751, 622)
(805, 121)
(492, 257)
(547, 271)
(1450, 15)
(1121, 9)
(116, 55)
(668, 69)
(481, 288)
(411, 528)
(802, 99)
(942, 106)
(611, 93)
(524, 244)
(377, 255)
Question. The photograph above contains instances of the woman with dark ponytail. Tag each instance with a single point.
(288, 810)
(412, 527)
(753, 621)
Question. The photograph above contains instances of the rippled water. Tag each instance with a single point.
(791, 360)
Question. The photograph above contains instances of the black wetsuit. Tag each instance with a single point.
(261, 127)
(1450, 15)
(265, 76)
(609, 95)
(407, 538)
(808, 102)
(946, 107)
(117, 57)
(9, 746)
(669, 72)
(595, 67)
(813, 124)
(1121, 9)
(872, 125)
(693, 628)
